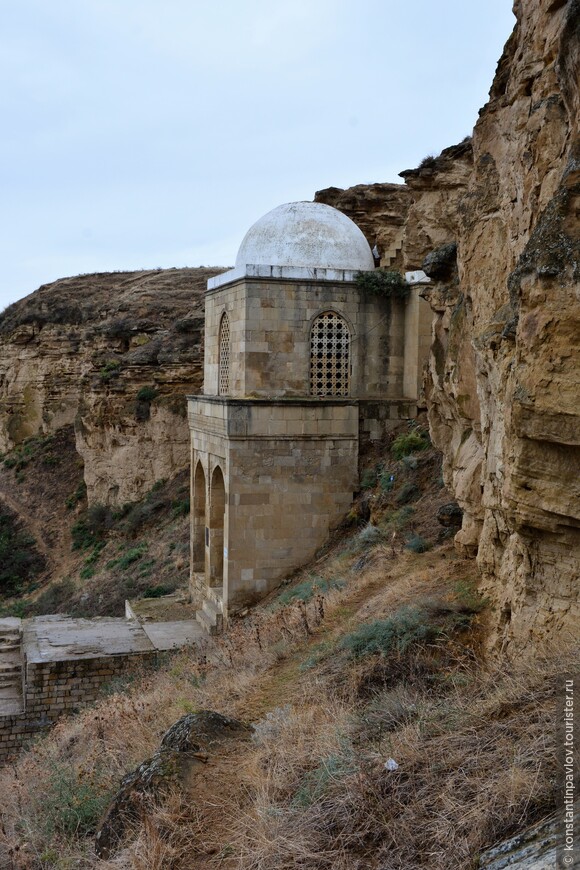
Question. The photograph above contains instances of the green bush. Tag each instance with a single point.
(159, 591)
(409, 625)
(417, 544)
(77, 496)
(99, 518)
(382, 282)
(146, 394)
(88, 570)
(369, 478)
(180, 507)
(306, 590)
(110, 370)
(408, 492)
(72, 804)
(400, 518)
(82, 536)
(385, 482)
(408, 442)
(129, 558)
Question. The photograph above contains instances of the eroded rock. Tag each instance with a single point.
(185, 748)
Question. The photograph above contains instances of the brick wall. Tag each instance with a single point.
(54, 688)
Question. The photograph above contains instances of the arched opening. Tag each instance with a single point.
(329, 355)
(198, 521)
(217, 507)
(224, 356)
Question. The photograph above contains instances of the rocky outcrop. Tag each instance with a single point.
(436, 188)
(115, 354)
(192, 742)
(504, 371)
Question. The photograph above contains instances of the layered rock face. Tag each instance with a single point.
(495, 223)
(115, 354)
(504, 381)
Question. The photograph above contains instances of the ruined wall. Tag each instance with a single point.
(81, 349)
(58, 687)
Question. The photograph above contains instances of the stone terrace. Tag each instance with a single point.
(50, 665)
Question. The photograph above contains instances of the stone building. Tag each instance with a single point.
(301, 367)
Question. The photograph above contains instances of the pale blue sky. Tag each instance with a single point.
(145, 133)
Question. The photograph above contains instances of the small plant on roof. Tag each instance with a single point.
(382, 282)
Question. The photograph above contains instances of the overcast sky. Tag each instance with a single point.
(145, 133)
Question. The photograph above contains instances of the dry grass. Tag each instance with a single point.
(474, 743)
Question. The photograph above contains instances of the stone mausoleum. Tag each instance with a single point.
(301, 367)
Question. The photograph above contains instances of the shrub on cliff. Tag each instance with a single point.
(409, 442)
(382, 282)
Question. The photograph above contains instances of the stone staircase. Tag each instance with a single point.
(390, 255)
(11, 668)
(211, 615)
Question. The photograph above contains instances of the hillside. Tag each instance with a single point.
(380, 733)
(94, 371)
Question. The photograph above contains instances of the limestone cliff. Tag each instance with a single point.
(504, 367)
(115, 354)
(495, 222)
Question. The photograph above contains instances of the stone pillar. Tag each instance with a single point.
(417, 322)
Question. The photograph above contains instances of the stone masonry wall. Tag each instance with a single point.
(58, 687)
(270, 324)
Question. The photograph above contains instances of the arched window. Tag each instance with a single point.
(329, 355)
(224, 356)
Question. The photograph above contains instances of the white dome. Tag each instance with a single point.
(307, 234)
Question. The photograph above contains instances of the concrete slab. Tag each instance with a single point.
(169, 608)
(170, 635)
(58, 638)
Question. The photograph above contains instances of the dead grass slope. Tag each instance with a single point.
(372, 654)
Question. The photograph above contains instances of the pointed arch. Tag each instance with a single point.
(224, 356)
(329, 355)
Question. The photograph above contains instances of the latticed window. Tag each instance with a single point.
(224, 356)
(329, 355)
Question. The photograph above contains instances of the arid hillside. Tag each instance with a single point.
(364, 727)
(114, 355)
(94, 371)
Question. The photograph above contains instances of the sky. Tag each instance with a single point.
(139, 134)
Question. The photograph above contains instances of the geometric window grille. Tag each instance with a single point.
(224, 356)
(329, 355)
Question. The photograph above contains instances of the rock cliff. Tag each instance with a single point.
(495, 223)
(504, 373)
(115, 354)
